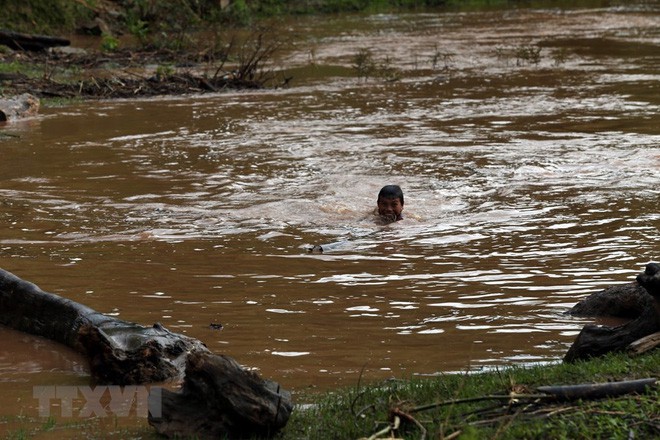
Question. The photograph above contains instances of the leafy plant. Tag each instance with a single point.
(109, 43)
(164, 70)
(139, 29)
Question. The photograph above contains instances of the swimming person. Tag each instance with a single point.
(388, 210)
(390, 203)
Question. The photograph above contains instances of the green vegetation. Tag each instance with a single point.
(525, 54)
(109, 43)
(501, 404)
(43, 16)
(455, 406)
(367, 66)
(153, 21)
(146, 18)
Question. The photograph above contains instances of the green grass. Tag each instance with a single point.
(44, 16)
(147, 18)
(449, 406)
(364, 410)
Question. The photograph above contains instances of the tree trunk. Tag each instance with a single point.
(119, 352)
(221, 399)
(633, 301)
(34, 43)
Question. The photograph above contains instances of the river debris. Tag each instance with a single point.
(219, 397)
(73, 73)
(130, 87)
(117, 75)
(547, 401)
(17, 107)
(29, 42)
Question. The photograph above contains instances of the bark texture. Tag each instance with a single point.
(119, 352)
(637, 301)
(221, 399)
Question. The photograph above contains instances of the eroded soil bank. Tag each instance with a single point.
(122, 74)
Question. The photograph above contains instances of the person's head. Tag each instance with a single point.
(390, 203)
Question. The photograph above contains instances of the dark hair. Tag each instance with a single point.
(391, 192)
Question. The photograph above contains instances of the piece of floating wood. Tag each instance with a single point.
(644, 344)
(598, 390)
(29, 42)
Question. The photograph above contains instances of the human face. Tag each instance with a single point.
(389, 209)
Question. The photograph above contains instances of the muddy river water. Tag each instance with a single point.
(527, 143)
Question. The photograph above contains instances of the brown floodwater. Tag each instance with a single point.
(530, 180)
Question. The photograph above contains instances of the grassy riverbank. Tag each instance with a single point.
(464, 406)
(502, 404)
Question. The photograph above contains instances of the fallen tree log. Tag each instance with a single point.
(219, 397)
(119, 352)
(29, 42)
(213, 404)
(633, 301)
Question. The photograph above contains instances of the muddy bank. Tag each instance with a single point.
(122, 74)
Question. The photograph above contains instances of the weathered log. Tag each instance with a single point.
(594, 340)
(119, 352)
(644, 345)
(598, 390)
(632, 301)
(221, 399)
(29, 42)
(17, 107)
(624, 301)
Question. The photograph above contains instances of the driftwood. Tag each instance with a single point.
(214, 404)
(34, 43)
(17, 107)
(644, 345)
(219, 397)
(637, 301)
(547, 401)
(597, 390)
